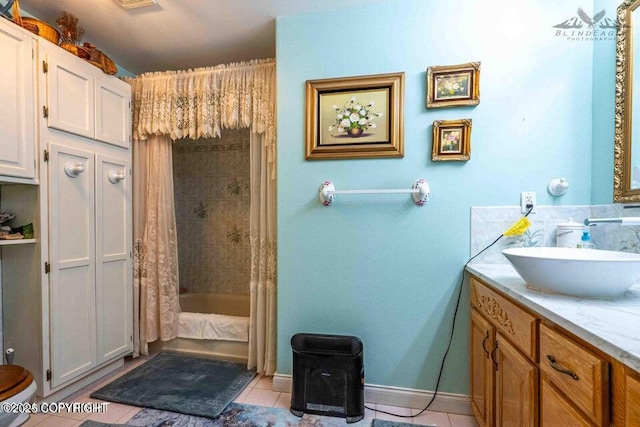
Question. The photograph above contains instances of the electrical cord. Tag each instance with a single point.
(453, 325)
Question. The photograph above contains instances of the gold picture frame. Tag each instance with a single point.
(355, 117)
(451, 140)
(453, 85)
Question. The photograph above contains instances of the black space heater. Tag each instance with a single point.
(328, 376)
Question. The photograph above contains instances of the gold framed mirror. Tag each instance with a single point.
(626, 167)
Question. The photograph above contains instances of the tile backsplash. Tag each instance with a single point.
(212, 196)
(487, 223)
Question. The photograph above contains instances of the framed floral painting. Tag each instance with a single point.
(355, 117)
(453, 85)
(451, 140)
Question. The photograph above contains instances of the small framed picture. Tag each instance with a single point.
(452, 85)
(451, 140)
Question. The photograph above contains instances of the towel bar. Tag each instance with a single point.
(419, 191)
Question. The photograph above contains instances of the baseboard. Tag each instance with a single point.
(398, 396)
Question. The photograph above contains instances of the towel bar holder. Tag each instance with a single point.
(420, 192)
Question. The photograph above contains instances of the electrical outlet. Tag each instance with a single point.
(528, 200)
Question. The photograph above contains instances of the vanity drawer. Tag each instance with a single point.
(514, 322)
(577, 372)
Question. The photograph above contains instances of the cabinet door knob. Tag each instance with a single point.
(73, 169)
(116, 177)
(555, 365)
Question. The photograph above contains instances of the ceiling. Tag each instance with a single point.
(180, 34)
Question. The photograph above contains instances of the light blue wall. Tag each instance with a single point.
(604, 60)
(379, 267)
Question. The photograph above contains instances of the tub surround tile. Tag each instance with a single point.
(212, 195)
(612, 325)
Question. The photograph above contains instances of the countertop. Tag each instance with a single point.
(612, 325)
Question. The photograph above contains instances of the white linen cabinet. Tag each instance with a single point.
(17, 103)
(68, 305)
(89, 256)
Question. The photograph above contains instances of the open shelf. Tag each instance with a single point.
(16, 242)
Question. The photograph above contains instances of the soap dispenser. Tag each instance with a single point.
(586, 242)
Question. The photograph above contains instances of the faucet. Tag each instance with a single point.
(630, 220)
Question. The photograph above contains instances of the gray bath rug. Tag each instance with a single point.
(177, 383)
(241, 415)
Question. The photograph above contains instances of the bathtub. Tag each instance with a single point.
(231, 305)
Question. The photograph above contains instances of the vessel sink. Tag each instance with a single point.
(578, 272)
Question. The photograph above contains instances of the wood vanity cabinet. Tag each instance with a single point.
(504, 377)
(528, 371)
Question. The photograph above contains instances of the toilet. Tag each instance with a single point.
(16, 386)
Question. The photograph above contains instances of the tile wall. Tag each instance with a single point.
(211, 183)
(487, 223)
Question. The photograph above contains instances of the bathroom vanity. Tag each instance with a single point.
(551, 360)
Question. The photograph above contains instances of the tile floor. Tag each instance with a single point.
(258, 392)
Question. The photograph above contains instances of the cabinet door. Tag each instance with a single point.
(516, 387)
(72, 258)
(17, 100)
(482, 342)
(70, 92)
(113, 249)
(113, 111)
(556, 411)
(632, 399)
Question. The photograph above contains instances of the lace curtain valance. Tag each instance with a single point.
(200, 103)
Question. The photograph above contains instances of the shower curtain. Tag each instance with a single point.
(262, 232)
(199, 104)
(155, 260)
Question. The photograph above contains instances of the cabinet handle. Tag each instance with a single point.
(493, 359)
(555, 365)
(73, 169)
(116, 177)
(486, 337)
